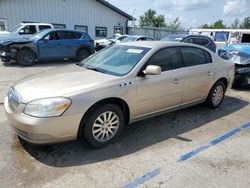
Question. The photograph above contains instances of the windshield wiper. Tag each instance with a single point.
(94, 69)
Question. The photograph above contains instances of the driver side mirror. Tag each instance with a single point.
(44, 40)
(152, 70)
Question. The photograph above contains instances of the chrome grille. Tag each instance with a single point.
(14, 99)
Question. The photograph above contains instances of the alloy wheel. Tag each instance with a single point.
(105, 126)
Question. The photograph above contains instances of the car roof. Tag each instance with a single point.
(158, 44)
(198, 36)
(65, 30)
(32, 23)
(137, 36)
(176, 35)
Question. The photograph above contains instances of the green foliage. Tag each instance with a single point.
(235, 24)
(219, 25)
(159, 21)
(150, 19)
(205, 26)
(245, 24)
(216, 25)
(175, 25)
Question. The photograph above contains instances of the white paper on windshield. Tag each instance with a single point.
(135, 51)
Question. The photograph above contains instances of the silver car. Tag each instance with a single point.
(119, 85)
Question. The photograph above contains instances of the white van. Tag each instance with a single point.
(24, 30)
(223, 37)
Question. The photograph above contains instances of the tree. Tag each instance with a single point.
(205, 26)
(150, 19)
(219, 25)
(159, 21)
(235, 24)
(175, 25)
(216, 25)
(246, 23)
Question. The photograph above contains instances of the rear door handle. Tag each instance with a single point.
(209, 73)
(176, 81)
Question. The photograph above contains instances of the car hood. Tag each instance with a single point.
(65, 81)
(8, 36)
(16, 41)
(4, 32)
(241, 47)
(241, 53)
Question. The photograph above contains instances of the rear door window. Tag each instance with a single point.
(208, 57)
(42, 27)
(201, 41)
(78, 35)
(193, 56)
(71, 35)
(189, 40)
(167, 59)
(62, 35)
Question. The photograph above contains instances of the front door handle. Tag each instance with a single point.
(176, 81)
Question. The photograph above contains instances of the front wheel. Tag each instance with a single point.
(26, 57)
(103, 125)
(216, 95)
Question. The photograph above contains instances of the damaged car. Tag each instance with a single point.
(240, 54)
(52, 44)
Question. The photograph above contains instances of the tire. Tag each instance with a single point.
(216, 95)
(26, 58)
(82, 54)
(96, 132)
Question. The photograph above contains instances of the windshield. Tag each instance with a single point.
(129, 39)
(16, 28)
(116, 60)
(39, 35)
(221, 36)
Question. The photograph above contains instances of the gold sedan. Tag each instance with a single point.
(116, 86)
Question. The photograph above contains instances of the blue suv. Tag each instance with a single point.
(201, 40)
(49, 44)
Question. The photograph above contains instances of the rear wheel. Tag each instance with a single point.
(103, 125)
(26, 57)
(216, 95)
(82, 54)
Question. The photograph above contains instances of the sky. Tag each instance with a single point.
(192, 13)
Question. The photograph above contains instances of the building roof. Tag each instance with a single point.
(114, 8)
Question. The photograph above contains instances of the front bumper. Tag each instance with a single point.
(6, 57)
(42, 130)
(242, 75)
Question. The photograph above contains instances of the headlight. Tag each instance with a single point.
(48, 107)
(236, 59)
(234, 52)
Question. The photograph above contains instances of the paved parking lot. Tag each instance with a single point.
(194, 147)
